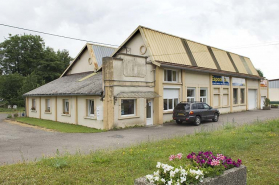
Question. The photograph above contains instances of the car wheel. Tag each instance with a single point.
(216, 117)
(197, 121)
(178, 122)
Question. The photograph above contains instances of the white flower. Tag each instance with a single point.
(197, 177)
(182, 179)
(156, 173)
(156, 178)
(163, 180)
(172, 173)
(170, 182)
(183, 172)
(149, 177)
(176, 170)
(158, 165)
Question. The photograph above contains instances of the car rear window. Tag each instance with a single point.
(183, 107)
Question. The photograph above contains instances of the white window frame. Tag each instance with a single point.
(47, 105)
(88, 102)
(191, 97)
(203, 97)
(135, 110)
(168, 104)
(33, 104)
(65, 101)
(240, 98)
(176, 75)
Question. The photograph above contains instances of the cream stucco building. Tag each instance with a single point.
(141, 82)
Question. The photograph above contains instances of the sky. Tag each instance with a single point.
(246, 27)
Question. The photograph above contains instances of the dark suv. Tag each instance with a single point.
(194, 112)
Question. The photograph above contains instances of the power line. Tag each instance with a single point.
(57, 35)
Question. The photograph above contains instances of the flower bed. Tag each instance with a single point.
(191, 169)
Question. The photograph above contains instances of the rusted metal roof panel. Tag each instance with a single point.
(223, 60)
(166, 47)
(201, 55)
(251, 66)
(102, 51)
(238, 63)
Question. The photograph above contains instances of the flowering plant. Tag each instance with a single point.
(202, 164)
(167, 174)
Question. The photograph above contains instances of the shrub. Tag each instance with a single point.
(274, 106)
(266, 102)
(15, 115)
(9, 116)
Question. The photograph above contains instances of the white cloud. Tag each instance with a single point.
(223, 24)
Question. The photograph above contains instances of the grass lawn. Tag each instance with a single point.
(257, 145)
(11, 111)
(57, 126)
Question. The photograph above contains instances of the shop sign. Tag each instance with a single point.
(220, 80)
(263, 83)
(238, 81)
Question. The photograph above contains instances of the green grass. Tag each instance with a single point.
(257, 145)
(57, 126)
(11, 111)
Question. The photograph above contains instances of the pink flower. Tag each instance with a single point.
(178, 156)
(220, 157)
(172, 157)
(215, 162)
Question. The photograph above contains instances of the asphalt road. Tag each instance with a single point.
(24, 143)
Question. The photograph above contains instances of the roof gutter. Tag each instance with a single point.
(211, 72)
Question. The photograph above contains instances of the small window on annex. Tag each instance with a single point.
(170, 75)
(66, 106)
(90, 108)
(47, 105)
(128, 107)
(203, 95)
(33, 104)
(235, 95)
(242, 96)
(191, 94)
(170, 98)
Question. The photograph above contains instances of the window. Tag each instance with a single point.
(203, 95)
(33, 104)
(206, 106)
(242, 96)
(235, 95)
(200, 106)
(170, 76)
(128, 107)
(90, 108)
(47, 105)
(191, 94)
(66, 106)
(194, 106)
(216, 97)
(170, 98)
(226, 97)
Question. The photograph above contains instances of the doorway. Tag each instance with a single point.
(149, 111)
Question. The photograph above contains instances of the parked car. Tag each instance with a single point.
(194, 112)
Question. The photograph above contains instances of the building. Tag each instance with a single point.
(274, 90)
(141, 82)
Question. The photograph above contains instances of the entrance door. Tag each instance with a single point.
(262, 101)
(252, 99)
(149, 111)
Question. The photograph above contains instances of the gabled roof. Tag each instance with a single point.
(164, 47)
(97, 52)
(76, 84)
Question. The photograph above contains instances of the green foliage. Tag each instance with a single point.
(25, 58)
(266, 102)
(274, 106)
(15, 115)
(57, 126)
(260, 73)
(9, 116)
(213, 172)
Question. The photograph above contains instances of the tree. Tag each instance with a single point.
(260, 73)
(10, 89)
(21, 54)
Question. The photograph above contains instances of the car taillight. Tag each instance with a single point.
(191, 113)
